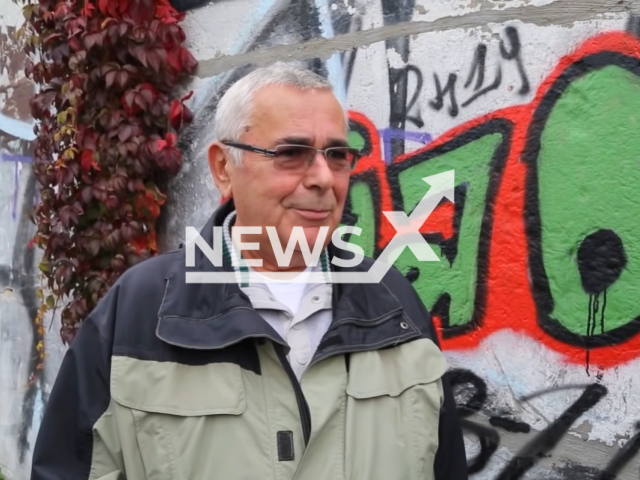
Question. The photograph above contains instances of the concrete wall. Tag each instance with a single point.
(535, 104)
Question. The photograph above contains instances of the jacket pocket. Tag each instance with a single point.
(175, 410)
(394, 398)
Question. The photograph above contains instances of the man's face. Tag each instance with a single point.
(267, 196)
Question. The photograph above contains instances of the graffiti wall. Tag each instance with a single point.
(535, 105)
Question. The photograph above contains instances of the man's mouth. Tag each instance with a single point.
(313, 214)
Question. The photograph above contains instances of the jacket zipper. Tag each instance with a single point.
(303, 407)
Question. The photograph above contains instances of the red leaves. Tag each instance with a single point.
(111, 8)
(166, 13)
(103, 5)
(179, 114)
(139, 99)
(89, 139)
(87, 161)
(75, 26)
(141, 10)
(168, 142)
(66, 173)
(107, 125)
(69, 214)
(181, 60)
(124, 132)
(53, 38)
(150, 56)
(117, 75)
(62, 9)
(88, 9)
(147, 204)
(92, 39)
(168, 157)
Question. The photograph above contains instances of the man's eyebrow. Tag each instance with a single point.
(333, 142)
(293, 141)
(337, 142)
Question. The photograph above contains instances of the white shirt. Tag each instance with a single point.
(303, 319)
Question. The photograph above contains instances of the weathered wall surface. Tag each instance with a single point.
(535, 104)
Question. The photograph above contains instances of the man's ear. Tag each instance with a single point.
(220, 166)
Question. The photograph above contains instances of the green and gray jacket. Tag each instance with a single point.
(169, 380)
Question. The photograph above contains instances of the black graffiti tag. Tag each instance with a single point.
(471, 396)
(547, 440)
(510, 50)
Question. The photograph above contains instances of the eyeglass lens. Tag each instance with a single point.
(298, 156)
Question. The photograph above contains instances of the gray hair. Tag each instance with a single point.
(234, 109)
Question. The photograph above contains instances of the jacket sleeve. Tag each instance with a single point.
(451, 457)
(68, 447)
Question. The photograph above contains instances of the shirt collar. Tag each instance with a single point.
(240, 267)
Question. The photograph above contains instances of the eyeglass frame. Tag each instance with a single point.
(272, 153)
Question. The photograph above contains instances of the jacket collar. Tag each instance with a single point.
(238, 262)
(211, 316)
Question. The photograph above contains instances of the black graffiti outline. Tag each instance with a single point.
(496, 169)
(488, 438)
(449, 88)
(515, 53)
(478, 71)
(494, 86)
(622, 457)
(478, 65)
(370, 179)
(416, 120)
(513, 426)
(539, 279)
(544, 441)
(394, 11)
(548, 439)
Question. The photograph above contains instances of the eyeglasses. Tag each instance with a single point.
(298, 157)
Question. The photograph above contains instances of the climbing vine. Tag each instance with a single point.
(107, 121)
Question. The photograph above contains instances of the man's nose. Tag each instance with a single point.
(319, 174)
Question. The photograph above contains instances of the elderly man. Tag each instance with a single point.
(258, 377)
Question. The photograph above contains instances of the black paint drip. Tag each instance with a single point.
(601, 259)
(592, 319)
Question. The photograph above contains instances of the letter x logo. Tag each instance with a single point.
(408, 227)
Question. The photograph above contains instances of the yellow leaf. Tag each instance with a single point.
(27, 11)
(69, 153)
(20, 33)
